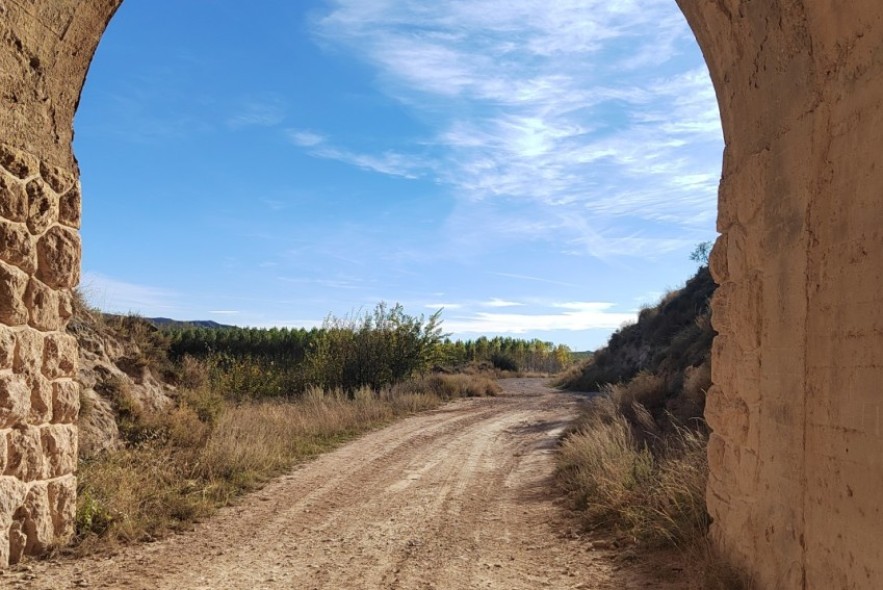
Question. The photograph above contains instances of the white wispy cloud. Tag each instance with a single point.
(267, 112)
(390, 163)
(496, 302)
(435, 306)
(304, 137)
(534, 279)
(117, 296)
(584, 110)
(574, 317)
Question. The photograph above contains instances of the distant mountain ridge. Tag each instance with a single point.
(170, 323)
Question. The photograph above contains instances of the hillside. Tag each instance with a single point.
(118, 361)
(664, 359)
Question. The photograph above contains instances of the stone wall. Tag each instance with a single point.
(39, 264)
(45, 50)
(797, 451)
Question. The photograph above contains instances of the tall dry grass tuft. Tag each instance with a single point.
(655, 497)
(647, 487)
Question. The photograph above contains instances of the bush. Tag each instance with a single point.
(504, 362)
(375, 349)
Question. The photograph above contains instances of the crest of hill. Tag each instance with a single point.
(179, 324)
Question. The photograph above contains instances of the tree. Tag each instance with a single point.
(701, 252)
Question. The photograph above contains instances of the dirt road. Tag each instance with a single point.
(457, 498)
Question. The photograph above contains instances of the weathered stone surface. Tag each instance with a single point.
(58, 258)
(13, 198)
(60, 449)
(795, 457)
(7, 347)
(62, 494)
(28, 352)
(42, 206)
(17, 246)
(69, 207)
(24, 452)
(60, 356)
(18, 163)
(13, 283)
(12, 495)
(33, 530)
(65, 401)
(60, 180)
(15, 400)
(65, 306)
(44, 307)
(41, 400)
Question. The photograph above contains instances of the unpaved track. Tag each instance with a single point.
(456, 498)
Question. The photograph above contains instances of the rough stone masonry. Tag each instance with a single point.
(797, 451)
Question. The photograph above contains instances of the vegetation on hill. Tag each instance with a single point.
(663, 361)
(635, 461)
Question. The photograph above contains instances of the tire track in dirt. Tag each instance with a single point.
(456, 498)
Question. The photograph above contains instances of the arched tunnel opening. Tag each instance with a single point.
(795, 452)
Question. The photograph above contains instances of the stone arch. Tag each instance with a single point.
(796, 456)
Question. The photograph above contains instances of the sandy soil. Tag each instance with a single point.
(457, 498)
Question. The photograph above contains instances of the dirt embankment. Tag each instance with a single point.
(457, 498)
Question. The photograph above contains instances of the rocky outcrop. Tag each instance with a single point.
(798, 437)
(112, 371)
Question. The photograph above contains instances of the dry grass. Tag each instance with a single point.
(453, 385)
(657, 498)
(180, 466)
(653, 496)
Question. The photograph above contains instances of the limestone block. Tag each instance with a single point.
(65, 401)
(32, 531)
(60, 180)
(728, 416)
(20, 164)
(59, 443)
(717, 261)
(4, 456)
(13, 283)
(28, 352)
(12, 495)
(69, 207)
(742, 191)
(17, 246)
(24, 451)
(736, 312)
(7, 348)
(13, 198)
(717, 455)
(15, 400)
(41, 399)
(744, 256)
(44, 307)
(62, 494)
(60, 356)
(65, 306)
(42, 206)
(58, 258)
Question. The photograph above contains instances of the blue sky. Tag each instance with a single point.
(537, 169)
